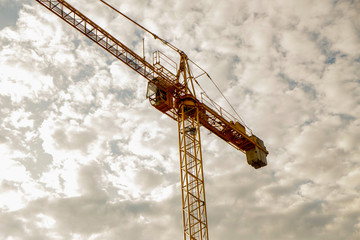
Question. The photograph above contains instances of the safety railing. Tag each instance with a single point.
(222, 112)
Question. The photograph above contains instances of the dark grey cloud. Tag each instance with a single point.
(9, 13)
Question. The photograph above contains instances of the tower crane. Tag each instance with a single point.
(173, 93)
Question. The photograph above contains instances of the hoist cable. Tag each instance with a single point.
(146, 30)
(179, 51)
(242, 121)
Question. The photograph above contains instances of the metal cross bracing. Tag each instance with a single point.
(191, 172)
(172, 92)
(87, 27)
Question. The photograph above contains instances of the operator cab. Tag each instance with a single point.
(158, 96)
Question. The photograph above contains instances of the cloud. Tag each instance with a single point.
(95, 214)
(84, 155)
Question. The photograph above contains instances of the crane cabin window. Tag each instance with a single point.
(158, 97)
(155, 94)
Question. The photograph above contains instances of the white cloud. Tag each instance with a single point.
(15, 82)
(84, 155)
(11, 201)
(45, 221)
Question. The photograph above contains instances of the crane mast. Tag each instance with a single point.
(174, 95)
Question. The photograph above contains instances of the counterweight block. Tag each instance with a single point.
(256, 157)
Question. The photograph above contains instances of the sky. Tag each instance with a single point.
(85, 156)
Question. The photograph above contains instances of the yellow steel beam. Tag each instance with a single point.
(191, 172)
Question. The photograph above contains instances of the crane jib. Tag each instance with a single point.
(87, 27)
(212, 119)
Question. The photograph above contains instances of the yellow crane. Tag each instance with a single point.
(173, 93)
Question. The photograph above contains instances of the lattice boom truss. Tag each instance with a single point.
(192, 176)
